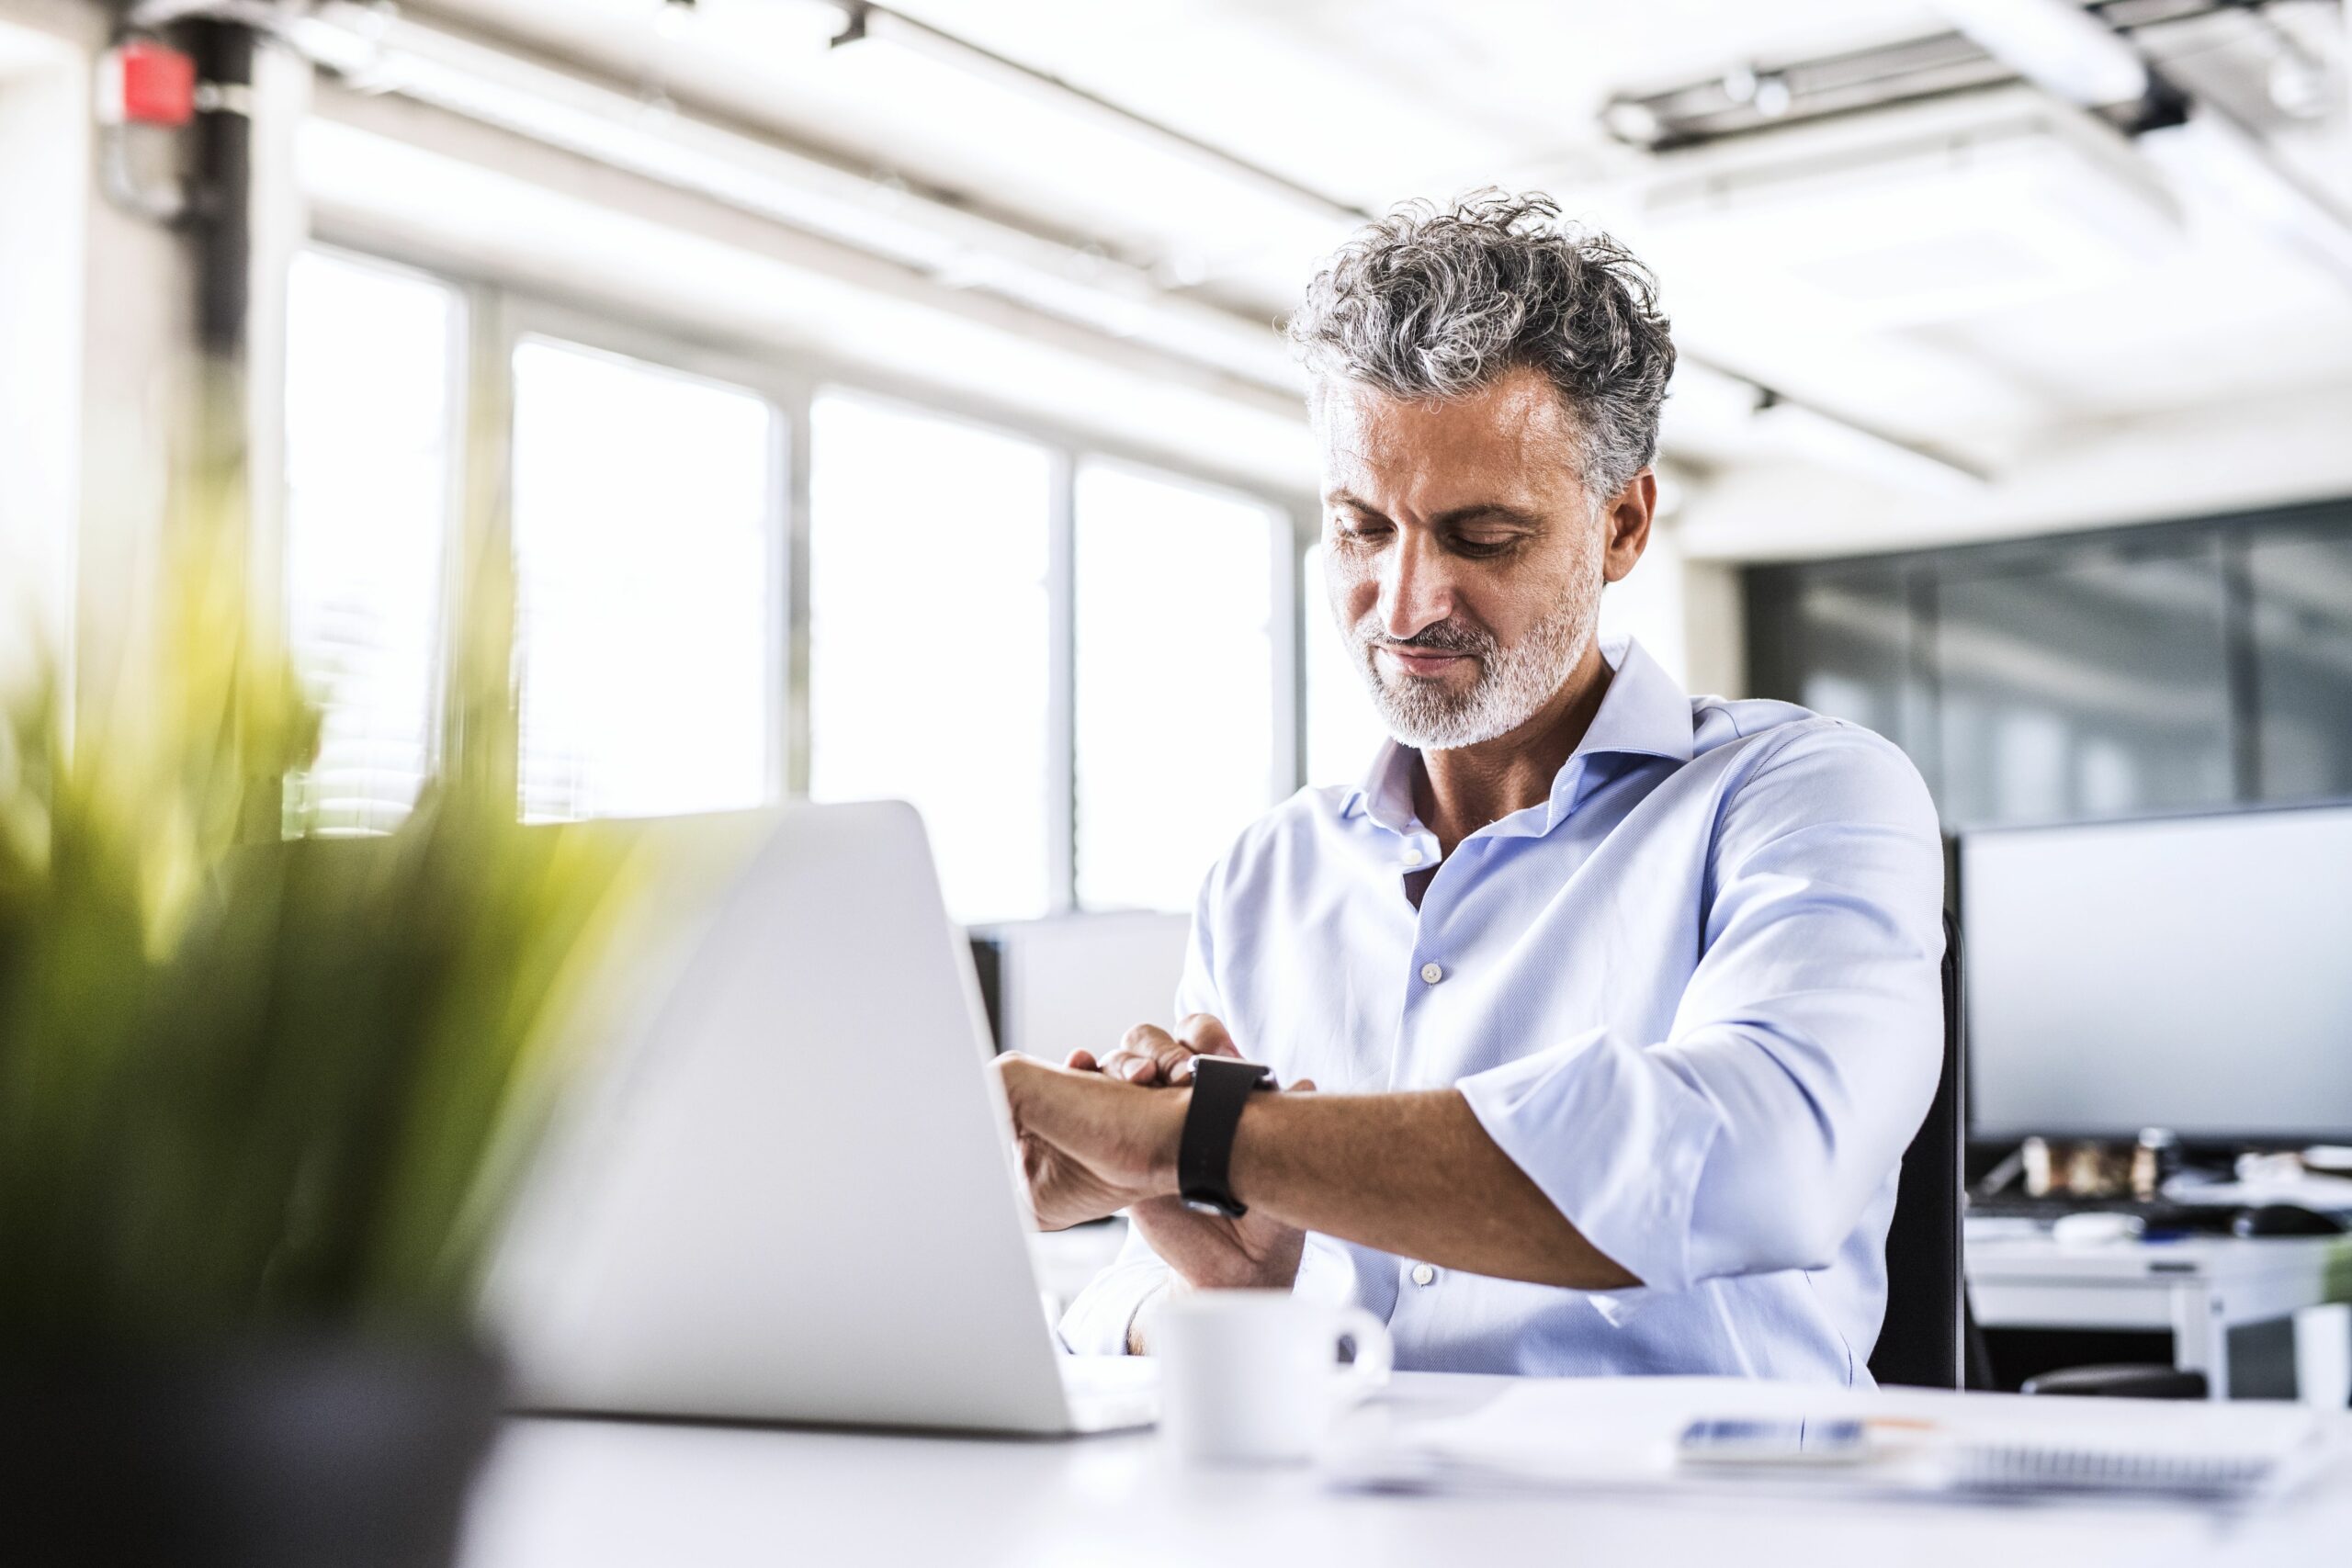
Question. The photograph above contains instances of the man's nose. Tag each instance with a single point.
(1415, 590)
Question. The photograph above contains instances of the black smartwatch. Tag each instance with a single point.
(1221, 1086)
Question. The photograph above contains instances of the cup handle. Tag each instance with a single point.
(1375, 1355)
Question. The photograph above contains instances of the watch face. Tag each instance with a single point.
(1232, 1209)
(1215, 1067)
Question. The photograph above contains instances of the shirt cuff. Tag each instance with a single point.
(1097, 1321)
(1325, 1273)
(1614, 1140)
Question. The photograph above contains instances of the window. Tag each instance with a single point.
(1344, 728)
(1074, 668)
(645, 616)
(370, 439)
(930, 640)
(1175, 675)
(2096, 687)
(2173, 666)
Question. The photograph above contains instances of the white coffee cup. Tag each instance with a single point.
(2323, 1355)
(1254, 1376)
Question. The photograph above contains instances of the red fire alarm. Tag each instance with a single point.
(142, 82)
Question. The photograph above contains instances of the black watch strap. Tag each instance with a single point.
(1221, 1086)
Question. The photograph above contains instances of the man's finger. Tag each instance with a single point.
(1153, 1054)
(1304, 1086)
(1206, 1035)
(1145, 1053)
(1083, 1062)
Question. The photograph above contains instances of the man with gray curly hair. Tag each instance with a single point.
(1633, 998)
(1490, 313)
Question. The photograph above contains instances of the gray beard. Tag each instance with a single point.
(1513, 682)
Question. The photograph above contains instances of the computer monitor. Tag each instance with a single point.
(2193, 973)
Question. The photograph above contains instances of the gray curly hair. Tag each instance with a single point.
(1429, 303)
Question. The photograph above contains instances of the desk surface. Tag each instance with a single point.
(565, 1494)
(1999, 1252)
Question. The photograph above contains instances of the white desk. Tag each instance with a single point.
(2197, 1288)
(598, 1495)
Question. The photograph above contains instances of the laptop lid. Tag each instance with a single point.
(787, 1191)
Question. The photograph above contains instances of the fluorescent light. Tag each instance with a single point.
(882, 24)
(1798, 428)
(1631, 120)
(2235, 166)
(2057, 46)
(592, 120)
(1843, 443)
(1936, 218)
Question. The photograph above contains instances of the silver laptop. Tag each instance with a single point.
(787, 1191)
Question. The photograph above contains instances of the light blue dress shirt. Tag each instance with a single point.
(1694, 994)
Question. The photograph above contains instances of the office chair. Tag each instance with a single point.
(2122, 1381)
(1930, 1339)
(1921, 1341)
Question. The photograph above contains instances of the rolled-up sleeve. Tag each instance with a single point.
(1098, 1320)
(1803, 1052)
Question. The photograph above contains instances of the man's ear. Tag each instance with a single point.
(1627, 523)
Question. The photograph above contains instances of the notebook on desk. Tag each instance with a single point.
(1620, 1434)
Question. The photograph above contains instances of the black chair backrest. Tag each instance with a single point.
(1920, 1342)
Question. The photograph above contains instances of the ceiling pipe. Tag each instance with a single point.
(2058, 46)
(378, 52)
(1895, 454)
(868, 20)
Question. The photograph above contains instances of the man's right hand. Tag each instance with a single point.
(1206, 1251)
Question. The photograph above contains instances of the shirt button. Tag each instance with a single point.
(1432, 973)
(1424, 1275)
(1412, 855)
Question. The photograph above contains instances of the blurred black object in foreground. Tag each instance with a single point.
(293, 1453)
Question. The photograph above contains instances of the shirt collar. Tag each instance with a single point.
(1644, 712)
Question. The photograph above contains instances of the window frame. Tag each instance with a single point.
(443, 677)
(497, 313)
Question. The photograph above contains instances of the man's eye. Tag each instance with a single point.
(1475, 545)
(1358, 534)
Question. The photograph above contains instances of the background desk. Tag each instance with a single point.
(2198, 1288)
(598, 1495)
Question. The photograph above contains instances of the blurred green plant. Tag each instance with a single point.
(247, 1087)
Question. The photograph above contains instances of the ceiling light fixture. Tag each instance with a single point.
(1631, 120)
(1944, 65)
(867, 21)
(2058, 46)
(562, 108)
(2235, 167)
(2063, 49)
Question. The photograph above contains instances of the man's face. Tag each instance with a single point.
(1464, 555)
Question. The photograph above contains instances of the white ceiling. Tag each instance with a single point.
(2189, 305)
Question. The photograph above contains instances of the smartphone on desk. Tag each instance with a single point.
(1755, 1441)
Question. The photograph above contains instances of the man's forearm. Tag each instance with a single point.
(1412, 1174)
